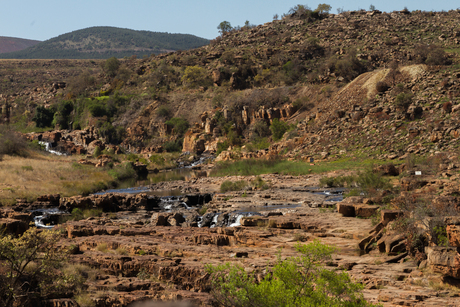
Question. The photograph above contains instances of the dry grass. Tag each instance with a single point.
(41, 174)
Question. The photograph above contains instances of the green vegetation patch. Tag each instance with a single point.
(258, 167)
(294, 281)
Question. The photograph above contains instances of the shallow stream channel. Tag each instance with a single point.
(172, 206)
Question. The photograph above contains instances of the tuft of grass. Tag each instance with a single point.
(85, 300)
(121, 251)
(259, 183)
(102, 247)
(203, 210)
(228, 185)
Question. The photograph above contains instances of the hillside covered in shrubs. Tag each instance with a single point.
(106, 42)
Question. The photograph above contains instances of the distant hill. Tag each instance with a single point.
(11, 44)
(106, 42)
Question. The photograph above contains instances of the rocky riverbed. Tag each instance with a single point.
(151, 247)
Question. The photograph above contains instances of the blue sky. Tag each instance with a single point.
(42, 20)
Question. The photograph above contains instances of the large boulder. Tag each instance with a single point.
(453, 230)
(13, 226)
(193, 142)
(444, 260)
(347, 210)
(386, 216)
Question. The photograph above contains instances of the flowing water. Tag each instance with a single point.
(172, 200)
(44, 217)
(49, 148)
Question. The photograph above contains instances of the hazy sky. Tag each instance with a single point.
(42, 20)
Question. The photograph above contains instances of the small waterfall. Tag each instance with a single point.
(214, 221)
(238, 221)
(46, 214)
(218, 219)
(48, 148)
(173, 202)
(332, 194)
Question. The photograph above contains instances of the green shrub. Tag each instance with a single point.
(62, 114)
(122, 172)
(112, 135)
(97, 109)
(203, 210)
(327, 182)
(228, 185)
(403, 100)
(295, 281)
(221, 146)
(440, 235)
(260, 129)
(180, 125)
(111, 66)
(431, 55)
(372, 180)
(259, 183)
(233, 138)
(261, 143)
(173, 146)
(164, 111)
(79, 214)
(97, 152)
(35, 145)
(278, 129)
(11, 143)
(34, 264)
(339, 181)
(157, 160)
(195, 76)
(43, 116)
(348, 66)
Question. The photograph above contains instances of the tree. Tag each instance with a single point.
(43, 117)
(224, 27)
(295, 281)
(29, 268)
(111, 66)
(323, 8)
(372, 7)
(299, 10)
(195, 76)
(62, 115)
(248, 25)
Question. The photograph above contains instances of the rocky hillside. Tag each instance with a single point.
(11, 44)
(105, 42)
(362, 82)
